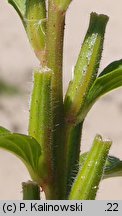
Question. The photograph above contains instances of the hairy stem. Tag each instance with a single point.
(84, 75)
(41, 124)
(113, 166)
(55, 35)
(72, 138)
(89, 176)
(87, 65)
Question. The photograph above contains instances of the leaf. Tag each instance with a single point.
(113, 166)
(24, 147)
(4, 131)
(87, 181)
(19, 5)
(33, 16)
(109, 79)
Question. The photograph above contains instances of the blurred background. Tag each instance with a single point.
(16, 66)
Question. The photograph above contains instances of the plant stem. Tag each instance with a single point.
(31, 191)
(55, 35)
(89, 176)
(41, 124)
(113, 166)
(72, 139)
(63, 4)
(84, 75)
(87, 65)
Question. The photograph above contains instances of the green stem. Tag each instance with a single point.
(55, 35)
(41, 124)
(84, 75)
(88, 60)
(63, 4)
(31, 191)
(87, 65)
(89, 176)
(73, 140)
(113, 166)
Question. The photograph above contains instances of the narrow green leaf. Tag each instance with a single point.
(35, 25)
(33, 16)
(113, 166)
(109, 79)
(87, 181)
(24, 147)
(20, 6)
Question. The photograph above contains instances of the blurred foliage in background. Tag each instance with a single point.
(8, 89)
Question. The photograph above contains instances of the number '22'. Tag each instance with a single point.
(112, 207)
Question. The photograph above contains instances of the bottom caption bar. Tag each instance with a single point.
(61, 207)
